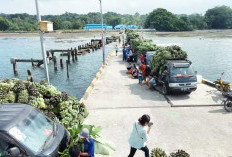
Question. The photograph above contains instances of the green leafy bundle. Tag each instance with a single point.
(164, 53)
(180, 153)
(58, 106)
(102, 146)
(157, 152)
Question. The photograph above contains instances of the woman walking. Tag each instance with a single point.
(139, 135)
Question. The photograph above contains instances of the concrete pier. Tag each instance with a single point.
(196, 123)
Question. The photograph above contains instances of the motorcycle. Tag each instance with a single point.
(222, 86)
(228, 102)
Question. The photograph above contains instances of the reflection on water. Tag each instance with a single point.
(81, 72)
(210, 56)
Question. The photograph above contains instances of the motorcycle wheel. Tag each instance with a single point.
(228, 105)
(218, 87)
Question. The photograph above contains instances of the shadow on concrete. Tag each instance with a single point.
(222, 111)
(145, 93)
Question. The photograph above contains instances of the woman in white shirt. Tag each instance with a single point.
(139, 135)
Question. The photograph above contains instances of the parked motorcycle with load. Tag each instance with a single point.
(222, 86)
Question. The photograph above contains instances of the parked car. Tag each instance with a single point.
(25, 131)
(178, 76)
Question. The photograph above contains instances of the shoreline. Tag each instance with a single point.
(222, 33)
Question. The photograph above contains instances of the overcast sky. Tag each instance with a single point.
(120, 6)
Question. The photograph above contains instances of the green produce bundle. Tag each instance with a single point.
(59, 106)
(164, 53)
(23, 97)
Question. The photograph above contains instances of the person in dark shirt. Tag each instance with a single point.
(88, 143)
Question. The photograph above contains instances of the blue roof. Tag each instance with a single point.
(96, 26)
(120, 26)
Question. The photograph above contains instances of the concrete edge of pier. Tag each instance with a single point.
(94, 81)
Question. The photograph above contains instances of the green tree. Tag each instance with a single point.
(77, 25)
(198, 21)
(163, 20)
(219, 17)
(4, 24)
(114, 21)
(57, 23)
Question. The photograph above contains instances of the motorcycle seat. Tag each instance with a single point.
(225, 82)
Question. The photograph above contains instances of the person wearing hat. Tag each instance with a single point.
(88, 143)
(139, 135)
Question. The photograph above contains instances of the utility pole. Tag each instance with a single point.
(103, 39)
(42, 42)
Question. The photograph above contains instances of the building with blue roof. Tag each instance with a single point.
(97, 27)
(120, 27)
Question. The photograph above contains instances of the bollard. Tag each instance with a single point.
(61, 63)
(30, 77)
(67, 68)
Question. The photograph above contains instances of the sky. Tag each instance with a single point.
(56, 7)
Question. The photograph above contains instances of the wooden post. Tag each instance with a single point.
(15, 68)
(69, 57)
(67, 68)
(72, 53)
(61, 63)
(75, 53)
(30, 77)
(55, 63)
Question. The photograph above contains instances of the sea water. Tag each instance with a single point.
(81, 72)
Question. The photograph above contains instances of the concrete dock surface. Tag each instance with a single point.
(195, 125)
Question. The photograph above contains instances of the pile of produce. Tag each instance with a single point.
(131, 35)
(140, 46)
(157, 152)
(163, 53)
(180, 153)
(59, 106)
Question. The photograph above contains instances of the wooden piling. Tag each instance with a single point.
(75, 53)
(72, 54)
(67, 68)
(15, 68)
(69, 57)
(55, 63)
(61, 63)
(30, 77)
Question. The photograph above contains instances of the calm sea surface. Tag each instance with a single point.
(81, 72)
(210, 56)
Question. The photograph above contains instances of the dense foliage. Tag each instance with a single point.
(163, 20)
(160, 19)
(26, 22)
(59, 106)
(219, 18)
(215, 18)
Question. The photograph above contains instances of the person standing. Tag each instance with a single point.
(142, 58)
(139, 135)
(116, 49)
(140, 75)
(88, 143)
(124, 54)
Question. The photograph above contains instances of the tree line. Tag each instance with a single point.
(219, 17)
